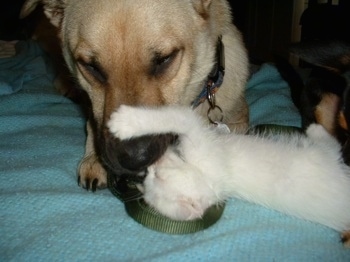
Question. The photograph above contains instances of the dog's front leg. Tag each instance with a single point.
(91, 174)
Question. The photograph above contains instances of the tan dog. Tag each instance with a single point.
(147, 52)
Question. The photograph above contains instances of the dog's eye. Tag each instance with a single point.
(161, 63)
(95, 70)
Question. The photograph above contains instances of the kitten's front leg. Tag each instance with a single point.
(128, 122)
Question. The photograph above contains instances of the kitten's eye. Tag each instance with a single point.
(94, 70)
(161, 63)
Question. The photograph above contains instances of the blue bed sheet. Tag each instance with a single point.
(45, 216)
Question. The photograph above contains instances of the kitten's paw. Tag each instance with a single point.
(125, 122)
(316, 131)
(318, 134)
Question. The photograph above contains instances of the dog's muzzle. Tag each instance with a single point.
(130, 158)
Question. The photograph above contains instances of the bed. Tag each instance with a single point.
(45, 216)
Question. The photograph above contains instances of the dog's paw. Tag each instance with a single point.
(345, 238)
(91, 174)
(125, 123)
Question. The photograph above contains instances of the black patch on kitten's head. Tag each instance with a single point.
(131, 157)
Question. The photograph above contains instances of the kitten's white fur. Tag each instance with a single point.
(299, 175)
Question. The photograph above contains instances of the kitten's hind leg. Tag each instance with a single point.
(319, 135)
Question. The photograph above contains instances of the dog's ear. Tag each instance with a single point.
(202, 7)
(53, 9)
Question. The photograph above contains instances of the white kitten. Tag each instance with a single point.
(299, 175)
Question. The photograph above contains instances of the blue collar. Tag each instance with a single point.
(215, 78)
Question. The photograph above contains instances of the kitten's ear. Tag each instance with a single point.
(202, 7)
(53, 9)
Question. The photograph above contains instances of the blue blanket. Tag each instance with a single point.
(45, 216)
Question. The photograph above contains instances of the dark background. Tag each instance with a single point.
(266, 24)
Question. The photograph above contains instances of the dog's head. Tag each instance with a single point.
(137, 52)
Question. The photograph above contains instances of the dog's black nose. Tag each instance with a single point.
(133, 156)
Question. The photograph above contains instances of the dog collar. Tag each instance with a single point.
(215, 78)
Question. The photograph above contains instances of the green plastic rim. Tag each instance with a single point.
(147, 216)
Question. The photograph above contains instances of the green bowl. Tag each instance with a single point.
(147, 216)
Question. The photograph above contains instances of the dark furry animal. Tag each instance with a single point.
(324, 96)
